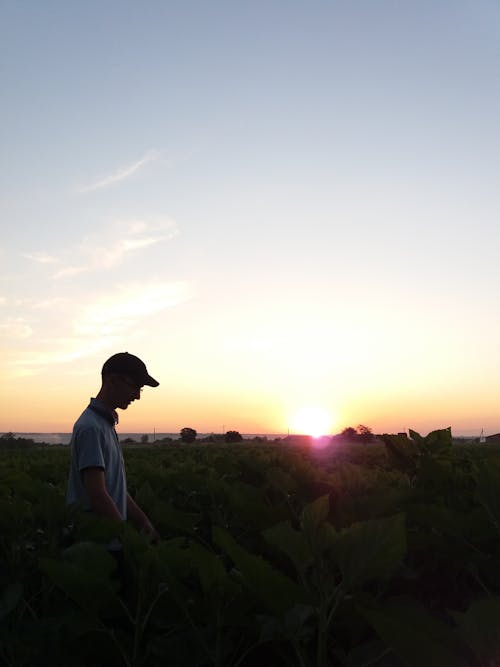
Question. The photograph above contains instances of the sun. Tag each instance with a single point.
(313, 421)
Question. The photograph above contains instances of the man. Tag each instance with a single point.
(97, 481)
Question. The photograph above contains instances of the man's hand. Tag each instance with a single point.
(140, 520)
(150, 531)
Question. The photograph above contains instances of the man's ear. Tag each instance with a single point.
(108, 380)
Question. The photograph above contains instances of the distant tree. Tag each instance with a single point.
(365, 433)
(233, 436)
(10, 440)
(188, 434)
(349, 434)
(144, 439)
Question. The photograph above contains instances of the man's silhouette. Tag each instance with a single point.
(97, 480)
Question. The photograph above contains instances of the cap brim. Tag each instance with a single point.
(151, 382)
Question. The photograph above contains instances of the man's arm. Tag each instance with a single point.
(140, 520)
(100, 501)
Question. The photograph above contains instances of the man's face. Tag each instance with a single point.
(125, 391)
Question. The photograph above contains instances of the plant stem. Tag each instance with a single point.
(373, 661)
(111, 634)
(298, 653)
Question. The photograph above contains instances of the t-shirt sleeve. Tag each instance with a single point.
(89, 449)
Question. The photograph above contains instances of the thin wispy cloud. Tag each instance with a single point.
(41, 304)
(119, 175)
(121, 311)
(97, 327)
(40, 257)
(69, 271)
(15, 328)
(64, 351)
(108, 249)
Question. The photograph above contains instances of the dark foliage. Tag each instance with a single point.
(188, 434)
(233, 436)
(271, 554)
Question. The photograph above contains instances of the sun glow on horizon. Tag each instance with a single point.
(312, 420)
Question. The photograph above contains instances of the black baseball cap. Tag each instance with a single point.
(124, 363)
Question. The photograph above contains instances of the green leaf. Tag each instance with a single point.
(91, 557)
(437, 518)
(318, 533)
(281, 480)
(247, 502)
(291, 542)
(369, 653)
(488, 491)
(480, 627)
(477, 527)
(165, 514)
(438, 441)
(210, 569)
(145, 496)
(296, 625)
(10, 598)
(436, 473)
(167, 564)
(417, 438)
(90, 588)
(434, 442)
(91, 528)
(401, 451)
(315, 513)
(275, 590)
(371, 549)
(414, 635)
(296, 620)
(313, 516)
(173, 557)
(185, 646)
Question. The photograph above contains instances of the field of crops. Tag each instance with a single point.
(353, 556)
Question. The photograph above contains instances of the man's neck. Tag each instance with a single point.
(104, 397)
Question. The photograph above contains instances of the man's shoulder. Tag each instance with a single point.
(87, 416)
(89, 420)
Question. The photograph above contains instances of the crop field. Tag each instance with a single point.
(351, 556)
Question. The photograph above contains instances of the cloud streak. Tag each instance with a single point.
(15, 328)
(119, 175)
(105, 251)
(40, 257)
(98, 326)
(68, 350)
(41, 304)
(120, 312)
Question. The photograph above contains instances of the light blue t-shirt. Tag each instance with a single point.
(94, 443)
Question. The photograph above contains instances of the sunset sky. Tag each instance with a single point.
(278, 205)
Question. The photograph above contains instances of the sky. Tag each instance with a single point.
(277, 205)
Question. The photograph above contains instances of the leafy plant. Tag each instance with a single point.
(188, 434)
(270, 554)
(414, 455)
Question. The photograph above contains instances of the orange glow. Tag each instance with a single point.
(312, 420)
